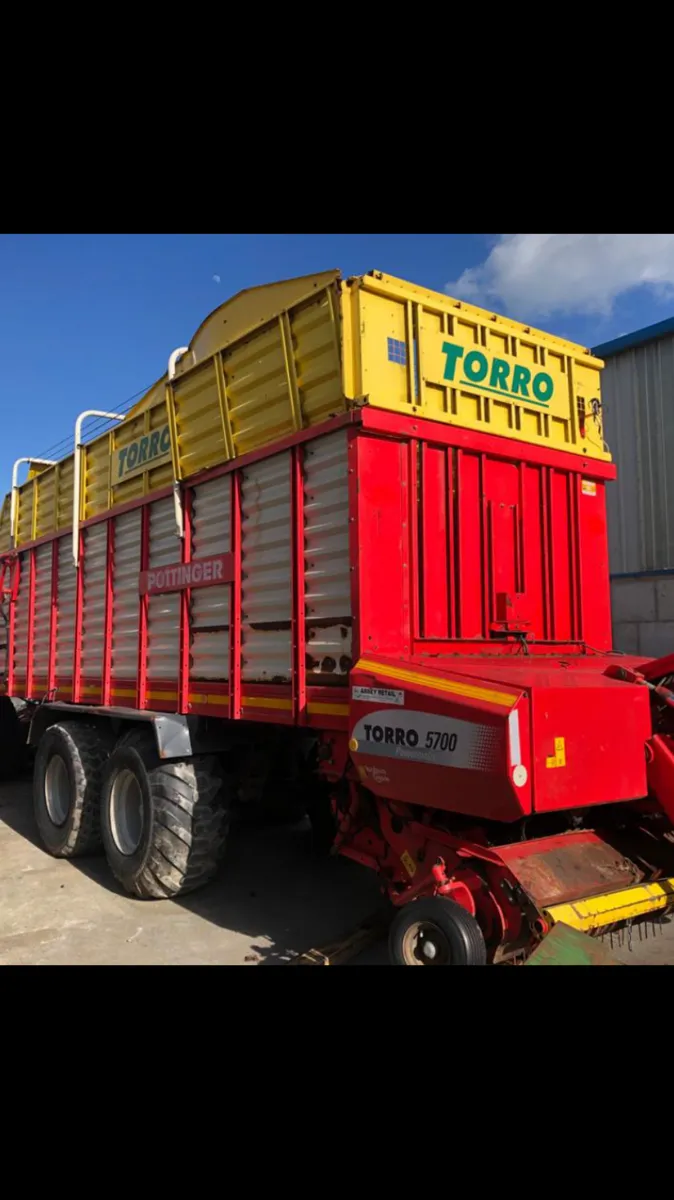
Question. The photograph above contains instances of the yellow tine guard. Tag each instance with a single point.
(610, 907)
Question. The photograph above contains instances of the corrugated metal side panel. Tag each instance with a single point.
(153, 421)
(93, 602)
(20, 646)
(43, 561)
(163, 626)
(24, 521)
(327, 577)
(125, 603)
(96, 476)
(286, 376)
(45, 487)
(266, 571)
(65, 625)
(199, 430)
(64, 496)
(5, 538)
(209, 609)
(638, 389)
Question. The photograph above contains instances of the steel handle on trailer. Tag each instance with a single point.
(177, 492)
(41, 462)
(77, 462)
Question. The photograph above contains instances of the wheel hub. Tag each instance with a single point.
(127, 818)
(57, 790)
(426, 945)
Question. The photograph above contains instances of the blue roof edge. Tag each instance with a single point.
(638, 338)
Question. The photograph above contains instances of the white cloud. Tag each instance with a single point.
(216, 279)
(544, 273)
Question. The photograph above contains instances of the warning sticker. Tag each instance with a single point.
(588, 487)
(378, 695)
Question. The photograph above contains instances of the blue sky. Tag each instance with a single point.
(88, 320)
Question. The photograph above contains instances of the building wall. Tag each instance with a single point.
(638, 400)
(643, 615)
(638, 404)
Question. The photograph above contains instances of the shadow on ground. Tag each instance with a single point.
(270, 889)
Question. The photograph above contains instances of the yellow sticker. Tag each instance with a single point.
(408, 863)
(558, 759)
(588, 488)
(353, 744)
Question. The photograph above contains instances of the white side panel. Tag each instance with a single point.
(125, 603)
(93, 603)
(21, 622)
(209, 609)
(266, 571)
(163, 627)
(66, 599)
(43, 559)
(327, 578)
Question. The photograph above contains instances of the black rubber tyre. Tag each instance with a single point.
(175, 841)
(437, 925)
(13, 755)
(67, 787)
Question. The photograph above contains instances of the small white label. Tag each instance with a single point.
(520, 775)
(378, 695)
(588, 487)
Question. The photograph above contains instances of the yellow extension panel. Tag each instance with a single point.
(277, 359)
(611, 907)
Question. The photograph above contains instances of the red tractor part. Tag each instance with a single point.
(495, 753)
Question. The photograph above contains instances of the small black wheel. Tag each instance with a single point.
(434, 932)
(164, 824)
(66, 788)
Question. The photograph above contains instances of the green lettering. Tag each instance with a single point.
(165, 440)
(543, 386)
(475, 366)
(142, 450)
(500, 370)
(521, 381)
(154, 444)
(453, 354)
(133, 455)
(122, 459)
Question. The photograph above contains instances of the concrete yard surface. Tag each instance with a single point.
(272, 900)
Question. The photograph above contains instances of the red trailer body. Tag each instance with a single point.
(427, 604)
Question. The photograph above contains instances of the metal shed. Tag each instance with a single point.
(638, 398)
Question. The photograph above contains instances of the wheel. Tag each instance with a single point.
(13, 756)
(164, 824)
(435, 932)
(67, 786)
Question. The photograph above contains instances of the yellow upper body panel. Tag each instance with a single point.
(276, 359)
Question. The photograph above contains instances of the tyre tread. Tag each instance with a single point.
(89, 748)
(189, 826)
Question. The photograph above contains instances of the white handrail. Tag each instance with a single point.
(173, 359)
(47, 462)
(89, 412)
(177, 493)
